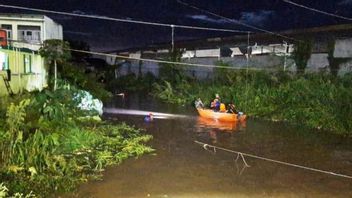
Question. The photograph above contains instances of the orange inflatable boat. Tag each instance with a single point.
(224, 117)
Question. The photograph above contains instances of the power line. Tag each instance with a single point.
(142, 59)
(122, 20)
(159, 61)
(181, 63)
(236, 21)
(316, 10)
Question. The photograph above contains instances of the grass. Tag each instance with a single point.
(49, 146)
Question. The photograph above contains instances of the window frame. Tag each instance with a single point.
(30, 34)
(27, 63)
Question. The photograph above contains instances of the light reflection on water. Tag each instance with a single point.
(182, 168)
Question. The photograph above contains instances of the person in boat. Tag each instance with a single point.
(149, 117)
(215, 105)
(198, 103)
(231, 108)
(222, 108)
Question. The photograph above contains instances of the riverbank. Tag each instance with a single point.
(318, 101)
(49, 146)
(181, 168)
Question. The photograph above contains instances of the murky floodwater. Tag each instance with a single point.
(182, 168)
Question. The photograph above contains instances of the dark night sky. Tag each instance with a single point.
(102, 35)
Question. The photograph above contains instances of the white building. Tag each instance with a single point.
(21, 66)
(29, 31)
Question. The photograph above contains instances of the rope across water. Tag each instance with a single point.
(272, 160)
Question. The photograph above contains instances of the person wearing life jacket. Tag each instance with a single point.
(222, 108)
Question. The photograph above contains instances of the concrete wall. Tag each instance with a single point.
(270, 57)
(133, 67)
(345, 68)
(317, 62)
(208, 53)
(343, 48)
(52, 30)
(265, 61)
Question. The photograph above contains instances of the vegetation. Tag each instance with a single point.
(301, 55)
(54, 51)
(313, 100)
(173, 73)
(318, 100)
(71, 69)
(49, 145)
(131, 82)
(334, 63)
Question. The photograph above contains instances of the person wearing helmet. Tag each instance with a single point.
(216, 103)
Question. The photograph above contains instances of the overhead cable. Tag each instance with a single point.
(316, 10)
(236, 21)
(178, 63)
(122, 20)
(160, 61)
(143, 59)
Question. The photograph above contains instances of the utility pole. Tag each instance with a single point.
(173, 37)
(285, 44)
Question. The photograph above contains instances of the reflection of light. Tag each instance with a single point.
(216, 124)
(156, 115)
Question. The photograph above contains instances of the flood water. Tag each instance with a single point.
(182, 168)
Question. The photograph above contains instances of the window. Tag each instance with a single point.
(29, 34)
(27, 63)
(8, 29)
(4, 61)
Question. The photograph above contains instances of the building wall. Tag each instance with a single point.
(133, 66)
(317, 62)
(15, 22)
(48, 29)
(52, 30)
(345, 68)
(207, 53)
(343, 48)
(22, 79)
(266, 57)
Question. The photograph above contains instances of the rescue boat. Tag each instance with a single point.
(221, 116)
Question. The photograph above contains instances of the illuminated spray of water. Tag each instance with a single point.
(156, 115)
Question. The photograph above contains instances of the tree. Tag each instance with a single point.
(334, 63)
(173, 73)
(301, 55)
(223, 72)
(79, 45)
(55, 51)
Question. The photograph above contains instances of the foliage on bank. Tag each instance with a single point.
(314, 100)
(48, 145)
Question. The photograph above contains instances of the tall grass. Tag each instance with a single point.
(47, 147)
(314, 100)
